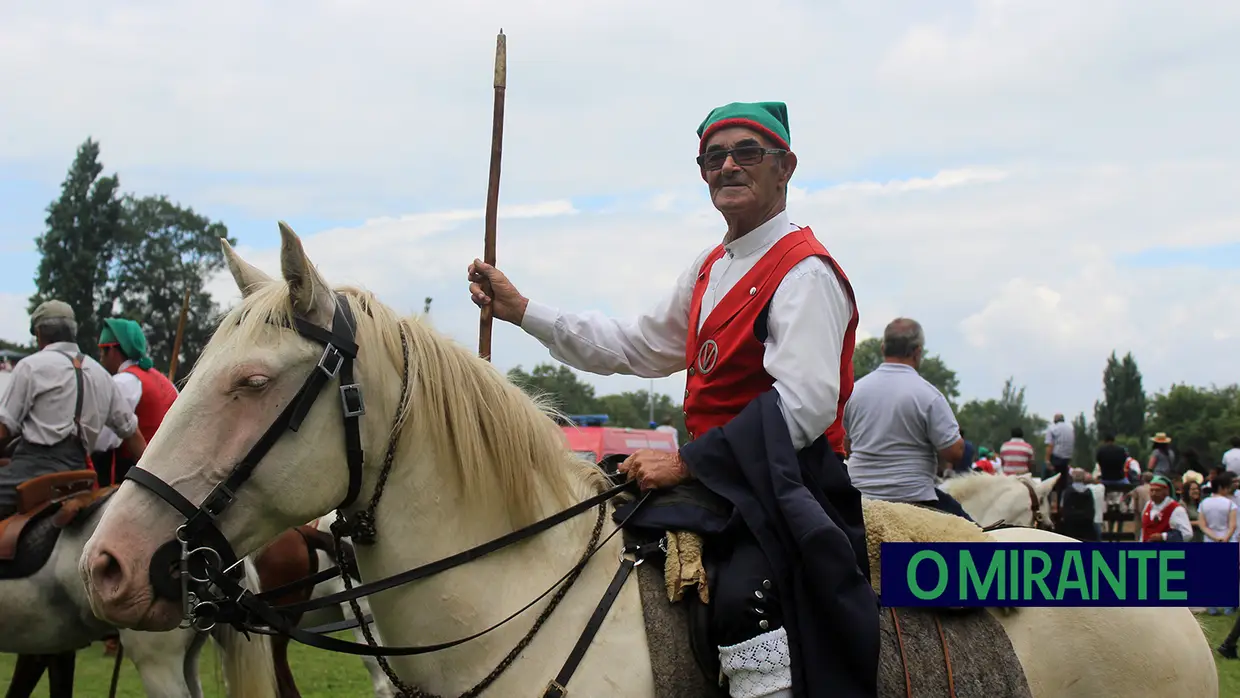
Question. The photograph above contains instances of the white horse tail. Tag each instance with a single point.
(248, 664)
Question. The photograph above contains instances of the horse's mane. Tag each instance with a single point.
(505, 444)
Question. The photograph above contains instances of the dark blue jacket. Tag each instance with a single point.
(806, 516)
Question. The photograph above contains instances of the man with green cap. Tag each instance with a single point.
(764, 325)
(123, 351)
(1163, 518)
(58, 402)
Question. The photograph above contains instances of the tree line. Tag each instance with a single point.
(111, 254)
(1200, 420)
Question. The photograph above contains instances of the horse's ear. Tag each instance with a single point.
(247, 276)
(1044, 488)
(308, 292)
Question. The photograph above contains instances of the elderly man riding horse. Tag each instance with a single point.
(764, 323)
(58, 402)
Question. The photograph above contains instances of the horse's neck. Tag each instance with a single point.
(434, 520)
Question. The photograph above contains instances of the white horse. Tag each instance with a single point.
(48, 613)
(475, 459)
(990, 498)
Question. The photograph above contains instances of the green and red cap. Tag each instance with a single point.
(768, 118)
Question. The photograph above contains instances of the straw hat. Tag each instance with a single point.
(1193, 476)
(1162, 438)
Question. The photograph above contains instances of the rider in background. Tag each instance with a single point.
(984, 463)
(900, 427)
(149, 393)
(57, 402)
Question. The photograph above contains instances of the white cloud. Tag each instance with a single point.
(988, 163)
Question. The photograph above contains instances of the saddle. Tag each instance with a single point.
(62, 497)
(925, 652)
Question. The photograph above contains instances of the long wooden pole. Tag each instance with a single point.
(176, 344)
(497, 148)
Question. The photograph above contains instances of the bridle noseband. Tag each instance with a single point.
(180, 565)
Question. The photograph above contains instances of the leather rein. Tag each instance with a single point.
(201, 571)
(1035, 505)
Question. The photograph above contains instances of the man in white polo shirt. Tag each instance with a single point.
(900, 428)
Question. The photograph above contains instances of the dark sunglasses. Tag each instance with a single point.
(744, 155)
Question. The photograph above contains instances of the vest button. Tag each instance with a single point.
(691, 370)
(753, 290)
(686, 393)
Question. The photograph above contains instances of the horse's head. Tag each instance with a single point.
(1015, 500)
(259, 431)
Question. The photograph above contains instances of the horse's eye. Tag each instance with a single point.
(256, 382)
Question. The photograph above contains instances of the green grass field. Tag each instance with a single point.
(325, 675)
(319, 674)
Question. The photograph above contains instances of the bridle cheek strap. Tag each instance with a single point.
(200, 529)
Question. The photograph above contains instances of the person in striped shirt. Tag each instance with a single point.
(1016, 454)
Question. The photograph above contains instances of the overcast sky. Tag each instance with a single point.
(1037, 183)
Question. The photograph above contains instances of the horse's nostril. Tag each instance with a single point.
(106, 572)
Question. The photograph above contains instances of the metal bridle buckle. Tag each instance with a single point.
(331, 361)
(352, 393)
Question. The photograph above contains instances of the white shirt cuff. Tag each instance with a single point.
(539, 321)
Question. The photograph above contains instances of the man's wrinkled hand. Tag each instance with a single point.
(654, 470)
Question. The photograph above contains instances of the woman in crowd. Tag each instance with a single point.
(1190, 498)
(1217, 518)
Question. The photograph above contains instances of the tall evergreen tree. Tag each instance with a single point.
(1085, 443)
(77, 246)
(1122, 408)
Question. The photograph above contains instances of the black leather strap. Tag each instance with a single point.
(558, 688)
(460, 558)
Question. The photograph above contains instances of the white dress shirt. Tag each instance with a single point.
(1179, 517)
(131, 390)
(808, 319)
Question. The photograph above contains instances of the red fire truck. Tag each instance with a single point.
(591, 439)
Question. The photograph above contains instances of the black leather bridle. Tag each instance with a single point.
(200, 568)
(199, 542)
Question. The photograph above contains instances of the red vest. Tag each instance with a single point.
(724, 360)
(1149, 527)
(158, 394)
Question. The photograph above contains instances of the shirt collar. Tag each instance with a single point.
(70, 347)
(761, 237)
(126, 364)
(892, 366)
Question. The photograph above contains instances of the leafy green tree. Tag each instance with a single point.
(1122, 408)
(1203, 419)
(78, 245)
(167, 251)
(868, 355)
(989, 422)
(568, 394)
(632, 409)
